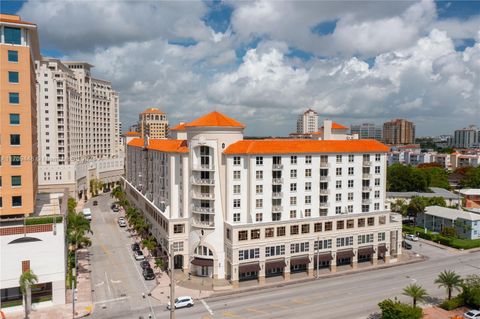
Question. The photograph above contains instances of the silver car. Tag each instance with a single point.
(472, 314)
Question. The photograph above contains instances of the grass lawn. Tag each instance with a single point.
(457, 243)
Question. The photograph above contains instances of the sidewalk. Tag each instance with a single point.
(83, 306)
(439, 313)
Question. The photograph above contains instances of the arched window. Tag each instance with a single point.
(203, 251)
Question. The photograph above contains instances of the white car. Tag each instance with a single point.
(139, 255)
(411, 237)
(181, 302)
(122, 223)
(472, 314)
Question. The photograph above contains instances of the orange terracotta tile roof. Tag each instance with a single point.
(215, 119)
(152, 110)
(295, 146)
(8, 18)
(337, 126)
(131, 134)
(179, 127)
(167, 146)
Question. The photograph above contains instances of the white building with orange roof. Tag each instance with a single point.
(154, 123)
(253, 209)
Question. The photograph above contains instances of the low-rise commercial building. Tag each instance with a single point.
(450, 198)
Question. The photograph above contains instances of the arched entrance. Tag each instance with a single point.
(178, 262)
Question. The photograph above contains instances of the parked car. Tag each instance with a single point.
(472, 314)
(180, 302)
(148, 274)
(145, 264)
(411, 237)
(139, 255)
(122, 223)
(135, 247)
(106, 190)
(95, 203)
(87, 213)
(115, 209)
(406, 245)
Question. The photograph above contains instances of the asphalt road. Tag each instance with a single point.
(119, 286)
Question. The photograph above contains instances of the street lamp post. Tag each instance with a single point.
(74, 276)
(172, 284)
(318, 256)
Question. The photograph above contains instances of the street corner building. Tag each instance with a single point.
(242, 210)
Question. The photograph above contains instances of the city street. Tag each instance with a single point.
(116, 277)
(118, 284)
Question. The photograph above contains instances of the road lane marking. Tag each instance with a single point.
(115, 281)
(108, 286)
(256, 311)
(99, 284)
(300, 302)
(229, 314)
(278, 306)
(206, 317)
(206, 306)
(110, 300)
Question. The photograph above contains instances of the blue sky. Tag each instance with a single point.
(264, 62)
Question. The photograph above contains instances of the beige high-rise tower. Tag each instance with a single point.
(18, 116)
(154, 123)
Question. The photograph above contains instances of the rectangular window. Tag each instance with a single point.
(338, 184)
(350, 196)
(236, 203)
(377, 157)
(14, 139)
(350, 171)
(382, 220)
(293, 201)
(361, 222)
(317, 227)
(178, 228)
(381, 236)
(293, 187)
(258, 217)
(236, 189)
(14, 119)
(299, 247)
(12, 35)
(13, 98)
(15, 160)
(236, 160)
(376, 206)
(371, 221)
(308, 200)
(294, 230)
(328, 226)
(12, 56)
(259, 189)
(293, 159)
(350, 183)
(255, 234)
(276, 216)
(12, 77)
(308, 212)
(236, 217)
(259, 203)
(17, 180)
(308, 186)
(377, 181)
(351, 158)
(293, 214)
(308, 159)
(377, 169)
(280, 231)
(340, 224)
(308, 172)
(293, 173)
(259, 175)
(350, 208)
(377, 194)
(274, 251)
(236, 175)
(269, 232)
(16, 201)
(338, 171)
(305, 228)
(259, 160)
(243, 235)
(339, 158)
(338, 197)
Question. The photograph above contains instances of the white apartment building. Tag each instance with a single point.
(467, 137)
(253, 209)
(78, 124)
(307, 122)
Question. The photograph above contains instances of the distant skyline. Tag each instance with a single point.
(264, 63)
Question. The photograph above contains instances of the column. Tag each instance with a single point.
(261, 273)
(310, 265)
(234, 276)
(333, 263)
(355, 259)
(375, 256)
(286, 272)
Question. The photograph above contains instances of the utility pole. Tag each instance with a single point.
(172, 284)
(74, 275)
(318, 256)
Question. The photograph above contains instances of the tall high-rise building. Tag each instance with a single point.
(18, 116)
(399, 131)
(78, 122)
(154, 123)
(307, 122)
(367, 131)
(467, 137)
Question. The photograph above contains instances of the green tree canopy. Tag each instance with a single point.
(393, 309)
(416, 292)
(450, 281)
(471, 179)
(471, 291)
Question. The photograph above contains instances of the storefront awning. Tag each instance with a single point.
(202, 262)
(252, 267)
(348, 253)
(368, 250)
(382, 249)
(324, 257)
(302, 260)
(273, 264)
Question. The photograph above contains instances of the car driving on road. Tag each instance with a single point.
(180, 302)
(411, 237)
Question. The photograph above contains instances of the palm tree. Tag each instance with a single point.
(27, 279)
(77, 228)
(118, 193)
(449, 280)
(149, 243)
(416, 292)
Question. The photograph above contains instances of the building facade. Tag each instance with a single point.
(78, 123)
(154, 123)
(398, 131)
(307, 122)
(252, 209)
(367, 131)
(468, 137)
(18, 116)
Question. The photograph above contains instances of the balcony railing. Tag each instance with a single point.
(203, 195)
(366, 176)
(324, 164)
(277, 166)
(324, 178)
(277, 194)
(366, 201)
(277, 181)
(203, 167)
(276, 209)
(366, 188)
(323, 204)
(203, 224)
(367, 163)
(203, 210)
(324, 191)
(202, 181)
